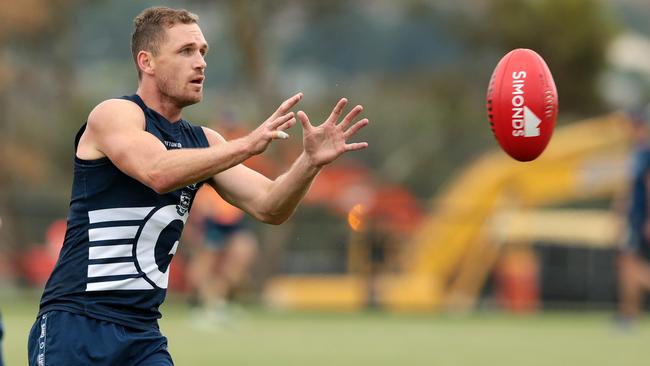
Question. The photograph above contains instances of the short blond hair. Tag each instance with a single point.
(149, 29)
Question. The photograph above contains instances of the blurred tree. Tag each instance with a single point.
(571, 35)
(14, 18)
(35, 76)
(35, 67)
(247, 29)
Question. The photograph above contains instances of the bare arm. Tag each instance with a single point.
(270, 201)
(116, 130)
(275, 201)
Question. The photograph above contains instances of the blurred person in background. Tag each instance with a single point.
(225, 248)
(137, 168)
(634, 258)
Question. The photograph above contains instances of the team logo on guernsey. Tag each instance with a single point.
(186, 198)
(131, 247)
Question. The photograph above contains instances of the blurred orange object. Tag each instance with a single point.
(356, 217)
(37, 263)
(55, 236)
(208, 203)
(177, 278)
(517, 280)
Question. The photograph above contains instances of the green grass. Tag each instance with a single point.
(261, 337)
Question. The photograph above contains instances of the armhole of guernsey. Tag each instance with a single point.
(134, 99)
(84, 162)
(200, 134)
(140, 103)
(203, 140)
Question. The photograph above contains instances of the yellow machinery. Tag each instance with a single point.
(494, 201)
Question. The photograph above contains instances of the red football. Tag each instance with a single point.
(522, 104)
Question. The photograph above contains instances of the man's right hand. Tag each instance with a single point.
(274, 126)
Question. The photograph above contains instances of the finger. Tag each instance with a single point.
(336, 112)
(281, 135)
(350, 117)
(280, 120)
(304, 121)
(287, 105)
(286, 125)
(356, 127)
(356, 146)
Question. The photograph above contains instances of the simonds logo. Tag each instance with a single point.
(524, 122)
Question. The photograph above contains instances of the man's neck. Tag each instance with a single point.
(159, 103)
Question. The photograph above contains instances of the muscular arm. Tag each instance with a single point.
(270, 201)
(116, 130)
(275, 201)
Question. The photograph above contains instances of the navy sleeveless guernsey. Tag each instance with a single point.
(121, 236)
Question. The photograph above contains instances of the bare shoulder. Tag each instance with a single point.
(213, 136)
(108, 118)
(114, 113)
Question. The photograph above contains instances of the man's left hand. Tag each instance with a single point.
(326, 142)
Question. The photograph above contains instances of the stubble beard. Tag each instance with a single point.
(173, 92)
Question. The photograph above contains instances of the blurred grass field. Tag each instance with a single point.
(261, 337)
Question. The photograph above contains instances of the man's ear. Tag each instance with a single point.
(146, 62)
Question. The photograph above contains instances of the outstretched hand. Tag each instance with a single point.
(274, 126)
(325, 143)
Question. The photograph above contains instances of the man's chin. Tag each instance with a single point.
(197, 97)
(190, 100)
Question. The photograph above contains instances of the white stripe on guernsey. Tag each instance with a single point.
(110, 251)
(119, 214)
(113, 233)
(128, 284)
(111, 269)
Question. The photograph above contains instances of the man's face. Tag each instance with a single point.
(180, 65)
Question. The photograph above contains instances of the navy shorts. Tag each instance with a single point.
(61, 338)
(216, 235)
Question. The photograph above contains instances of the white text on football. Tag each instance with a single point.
(518, 80)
